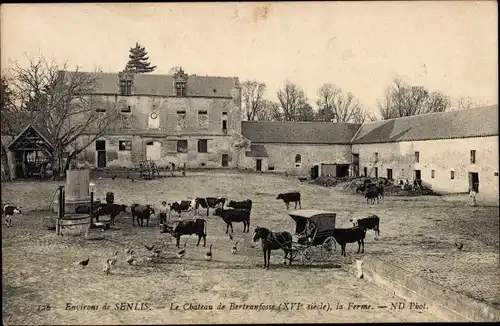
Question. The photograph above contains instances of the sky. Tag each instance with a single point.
(358, 46)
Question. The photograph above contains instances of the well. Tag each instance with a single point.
(76, 191)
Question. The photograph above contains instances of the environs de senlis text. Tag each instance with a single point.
(106, 306)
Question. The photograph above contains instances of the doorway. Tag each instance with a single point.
(418, 175)
(225, 160)
(100, 147)
(376, 172)
(389, 174)
(474, 181)
(258, 164)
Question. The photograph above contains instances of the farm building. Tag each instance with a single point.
(296, 147)
(168, 119)
(449, 151)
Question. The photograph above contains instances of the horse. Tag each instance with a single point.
(273, 241)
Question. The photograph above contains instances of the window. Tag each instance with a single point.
(180, 89)
(126, 109)
(100, 145)
(181, 120)
(495, 174)
(298, 159)
(125, 145)
(125, 87)
(100, 110)
(452, 175)
(224, 125)
(224, 113)
(417, 157)
(202, 120)
(375, 156)
(389, 174)
(433, 174)
(182, 146)
(202, 146)
(473, 156)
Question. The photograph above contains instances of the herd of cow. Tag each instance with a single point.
(371, 190)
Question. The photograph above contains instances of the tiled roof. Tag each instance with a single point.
(444, 125)
(150, 84)
(256, 151)
(299, 132)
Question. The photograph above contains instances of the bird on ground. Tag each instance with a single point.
(84, 262)
(149, 247)
(157, 253)
(235, 248)
(459, 245)
(208, 255)
(107, 266)
(113, 177)
(113, 260)
(128, 250)
(182, 252)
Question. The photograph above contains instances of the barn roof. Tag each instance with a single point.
(299, 132)
(478, 122)
(163, 85)
(256, 151)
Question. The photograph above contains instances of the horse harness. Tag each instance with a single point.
(273, 236)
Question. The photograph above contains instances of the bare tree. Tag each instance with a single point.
(62, 105)
(252, 93)
(334, 105)
(174, 70)
(270, 111)
(402, 100)
(465, 103)
(292, 98)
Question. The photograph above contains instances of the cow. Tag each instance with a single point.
(371, 194)
(234, 215)
(8, 211)
(380, 190)
(110, 197)
(85, 209)
(360, 189)
(355, 234)
(187, 227)
(244, 204)
(208, 202)
(371, 222)
(290, 197)
(113, 210)
(182, 206)
(141, 213)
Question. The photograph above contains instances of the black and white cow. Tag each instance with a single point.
(8, 211)
(345, 236)
(208, 202)
(244, 204)
(187, 227)
(234, 215)
(289, 197)
(141, 213)
(182, 206)
(371, 222)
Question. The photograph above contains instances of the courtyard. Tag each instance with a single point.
(417, 233)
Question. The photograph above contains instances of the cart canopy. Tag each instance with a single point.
(322, 220)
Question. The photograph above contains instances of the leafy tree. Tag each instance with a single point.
(138, 60)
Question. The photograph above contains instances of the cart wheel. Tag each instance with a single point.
(328, 248)
(306, 257)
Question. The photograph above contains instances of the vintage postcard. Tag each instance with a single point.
(249, 162)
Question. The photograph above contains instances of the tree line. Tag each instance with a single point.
(335, 105)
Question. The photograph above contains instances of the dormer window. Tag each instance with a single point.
(126, 83)
(180, 89)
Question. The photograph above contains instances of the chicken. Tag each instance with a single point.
(208, 255)
(113, 177)
(149, 247)
(181, 253)
(84, 262)
(459, 245)
(235, 248)
(157, 253)
(114, 259)
(130, 258)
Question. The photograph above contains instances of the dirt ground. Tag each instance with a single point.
(417, 233)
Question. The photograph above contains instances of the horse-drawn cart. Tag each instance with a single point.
(313, 228)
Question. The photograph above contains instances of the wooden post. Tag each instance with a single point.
(60, 211)
(91, 214)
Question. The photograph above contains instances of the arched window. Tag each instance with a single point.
(298, 159)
